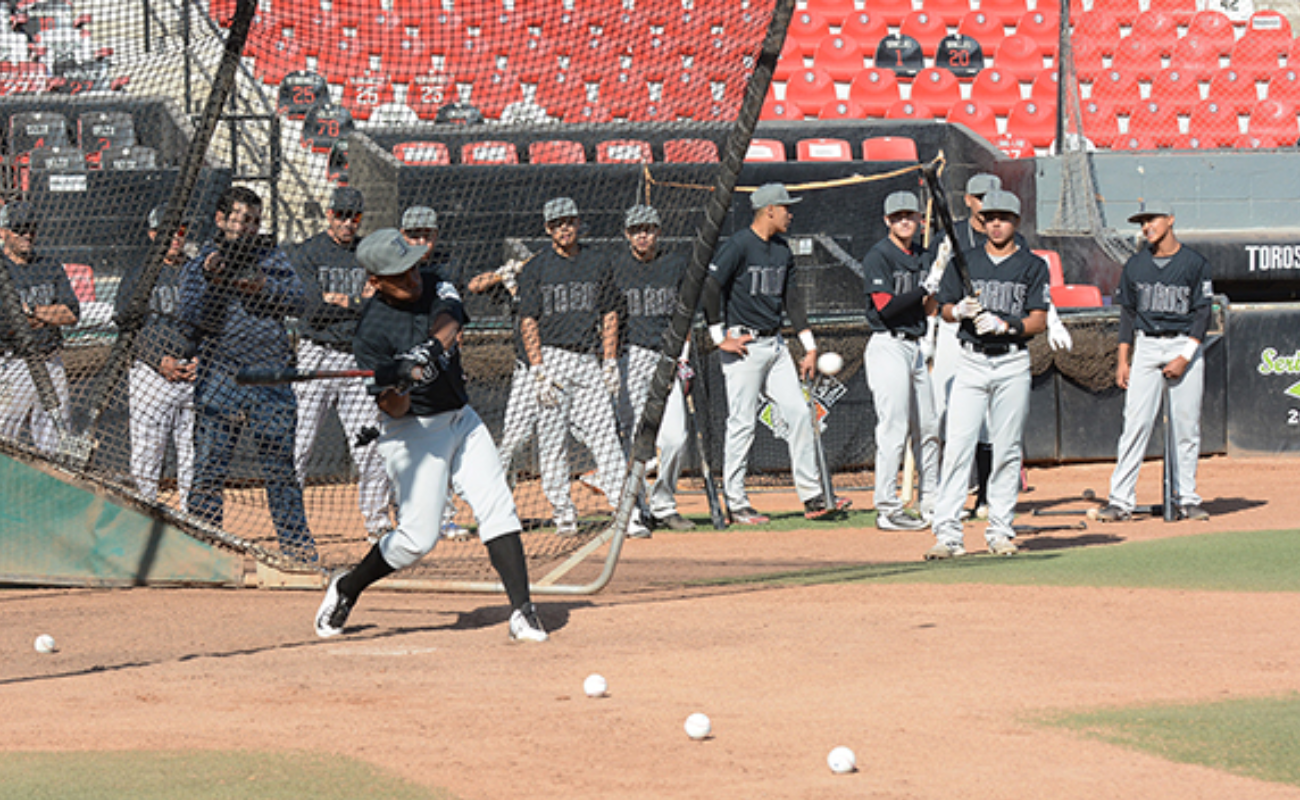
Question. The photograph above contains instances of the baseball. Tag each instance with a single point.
(830, 363)
(1092, 514)
(698, 726)
(595, 685)
(45, 644)
(842, 761)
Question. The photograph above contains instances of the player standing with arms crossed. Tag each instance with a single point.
(993, 375)
(1165, 296)
(901, 281)
(335, 285)
(753, 275)
(430, 436)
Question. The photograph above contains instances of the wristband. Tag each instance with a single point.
(718, 333)
(1190, 349)
(806, 339)
(1016, 326)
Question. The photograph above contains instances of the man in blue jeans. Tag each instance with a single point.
(236, 293)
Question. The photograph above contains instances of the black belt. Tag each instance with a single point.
(755, 332)
(993, 349)
(1162, 334)
(904, 336)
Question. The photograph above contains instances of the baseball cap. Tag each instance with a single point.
(901, 201)
(983, 183)
(641, 215)
(418, 218)
(385, 252)
(155, 217)
(18, 215)
(772, 194)
(1152, 208)
(1000, 201)
(559, 208)
(347, 200)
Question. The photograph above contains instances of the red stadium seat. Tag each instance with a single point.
(556, 151)
(997, 90)
(810, 89)
(979, 117)
(1088, 59)
(1076, 296)
(1232, 89)
(1181, 10)
(422, 153)
(1270, 30)
(902, 54)
(623, 151)
(325, 125)
(937, 89)
(823, 150)
(363, 93)
(842, 58)
(889, 148)
(1214, 123)
(906, 109)
(1124, 11)
(1177, 89)
(593, 113)
(961, 55)
(925, 28)
(1007, 10)
(950, 11)
(774, 109)
(1154, 122)
(866, 28)
(1033, 121)
(1158, 28)
(1284, 86)
(1055, 274)
(82, 278)
(835, 11)
(1116, 89)
(1134, 141)
(1259, 56)
(1013, 146)
(1249, 141)
(893, 11)
(425, 94)
(1194, 58)
(875, 90)
(690, 151)
(1137, 57)
(1019, 56)
(1042, 26)
(765, 150)
(488, 152)
(1044, 88)
(843, 109)
(1274, 120)
(1214, 29)
(808, 28)
(791, 60)
(1100, 125)
(984, 28)
(1099, 24)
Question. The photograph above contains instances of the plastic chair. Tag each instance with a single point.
(1181, 10)
(1100, 123)
(906, 109)
(556, 151)
(1159, 29)
(1269, 30)
(765, 150)
(100, 130)
(841, 57)
(1044, 87)
(34, 129)
(843, 109)
(984, 28)
(1033, 121)
(1194, 58)
(925, 28)
(790, 60)
(1088, 59)
(1007, 10)
(779, 110)
(1076, 296)
(893, 11)
(1137, 57)
(488, 152)
(902, 54)
(127, 157)
(623, 151)
(690, 151)
(1259, 56)
(996, 89)
(1284, 86)
(1013, 146)
(1234, 90)
(1116, 89)
(1274, 120)
(1175, 88)
(823, 150)
(835, 11)
(1098, 23)
(875, 90)
(866, 28)
(1055, 273)
(1019, 56)
(936, 88)
(1213, 122)
(807, 28)
(1214, 29)
(362, 94)
(979, 117)
(1043, 27)
(961, 55)
(1124, 11)
(810, 89)
(1154, 122)
(950, 11)
(64, 158)
(422, 153)
(1249, 141)
(889, 148)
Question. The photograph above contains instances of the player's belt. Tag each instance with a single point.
(1162, 334)
(903, 335)
(993, 349)
(757, 333)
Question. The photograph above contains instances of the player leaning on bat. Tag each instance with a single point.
(1008, 306)
(1164, 298)
(430, 436)
(752, 275)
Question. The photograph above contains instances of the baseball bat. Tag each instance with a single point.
(945, 219)
(1169, 510)
(1033, 529)
(1059, 512)
(255, 376)
(828, 487)
(710, 488)
(908, 488)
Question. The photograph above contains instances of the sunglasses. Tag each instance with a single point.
(23, 230)
(567, 222)
(346, 216)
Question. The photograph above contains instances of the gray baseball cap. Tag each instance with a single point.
(1000, 201)
(419, 218)
(155, 217)
(559, 208)
(641, 215)
(386, 252)
(347, 200)
(901, 201)
(772, 194)
(983, 183)
(1151, 208)
(18, 215)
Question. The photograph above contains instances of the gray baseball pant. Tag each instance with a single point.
(638, 368)
(900, 390)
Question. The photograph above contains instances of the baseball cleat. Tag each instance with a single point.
(942, 551)
(675, 522)
(334, 609)
(900, 521)
(636, 529)
(1002, 546)
(566, 526)
(816, 508)
(1193, 511)
(525, 626)
(1112, 513)
(748, 516)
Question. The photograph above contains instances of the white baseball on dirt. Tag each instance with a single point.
(842, 761)
(698, 726)
(830, 363)
(595, 685)
(45, 644)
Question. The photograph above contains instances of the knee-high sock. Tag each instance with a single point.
(507, 555)
(372, 568)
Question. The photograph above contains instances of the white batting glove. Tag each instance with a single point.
(988, 323)
(967, 308)
(508, 272)
(927, 341)
(548, 391)
(1057, 334)
(609, 371)
(941, 258)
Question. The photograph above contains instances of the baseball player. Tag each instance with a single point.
(162, 375)
(48, 303)
(335, 285)
(430, 437)
(901, 281)
(1164, 297)
(993, 375)
(567, 309)
(647, 279)
(753, 274)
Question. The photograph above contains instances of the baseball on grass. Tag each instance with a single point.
(842, 761)
(830, 363)
(595, 685)
(45, 644)
(698, 726)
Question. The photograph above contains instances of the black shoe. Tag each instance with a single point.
(675, 522)
(815, 508)
(334, 609)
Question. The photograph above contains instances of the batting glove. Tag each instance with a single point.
(1058, 336)
(988, 323)
(927, 341)
(508, 272)
(609, 371)
(419, 365)
(548, 391)
(941, 259)
(967, 308)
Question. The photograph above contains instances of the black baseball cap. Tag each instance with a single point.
(347, 200)
(18, 215)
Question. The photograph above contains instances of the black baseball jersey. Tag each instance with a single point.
(327, 267)
(164, 332)
(1164, 299)
(568, 297)
(647, 295)
(889, 270)
(754, 277)
(40, 282)
(387, 329)
(1011, 289)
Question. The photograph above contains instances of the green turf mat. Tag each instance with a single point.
(1258, 737)
(200, 775)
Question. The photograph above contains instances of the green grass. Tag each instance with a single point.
(793, 521)
(1256, 561)
(200, 775)
(1259, 738)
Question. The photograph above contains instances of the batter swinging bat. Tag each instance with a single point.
(253, 376)
(1169, 509)
(945, 218)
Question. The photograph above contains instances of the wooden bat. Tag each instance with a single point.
(710, 488)
(255, 376)
(1170, 480)
(828, 487)
(945, 219)
(1033, 529)
(908, 489)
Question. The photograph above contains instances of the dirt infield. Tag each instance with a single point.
(935, 687)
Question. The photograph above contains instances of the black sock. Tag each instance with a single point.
(983, 468)
(372, 568)
(507, 554)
